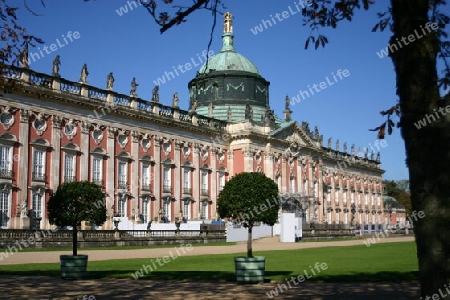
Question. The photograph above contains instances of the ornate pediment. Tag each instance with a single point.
(296, 136)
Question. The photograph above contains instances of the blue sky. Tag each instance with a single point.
(131, 46)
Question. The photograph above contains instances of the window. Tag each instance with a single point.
(4, 201)
(166, 211)
(145, 208)
(122, 175)
(221, 181)
(204, 183)
(187, 210)
(336, 196)
(37, 205)
(145, 178)
(97, 168)
(5, 162)
(69, 168)
(204, 210)
(187, 181)
(366, 199)
(305, 187)
(39, 165)
(121, 203)
(166, 180)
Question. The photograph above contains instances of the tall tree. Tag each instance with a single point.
(403, 198)
(418, 86)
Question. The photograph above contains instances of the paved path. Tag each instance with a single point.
(258, 245)
(43, 287)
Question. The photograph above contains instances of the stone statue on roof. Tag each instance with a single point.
(175, 100)
(134, 86)
(210, 110)
(287, 102)
(56, 63)
(269, 117)
(329, 143)
(316, 132)
(23, 58)
(194, 105)
(155, 94)
(110, 81)
(84, 74)
(248, 112)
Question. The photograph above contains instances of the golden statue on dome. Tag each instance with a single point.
(228, 23)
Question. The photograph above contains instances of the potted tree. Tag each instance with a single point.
(249, 198)
(72, 203)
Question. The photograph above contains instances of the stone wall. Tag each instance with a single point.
(106, 238)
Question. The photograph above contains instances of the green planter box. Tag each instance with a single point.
(250, 269)
(73, 267)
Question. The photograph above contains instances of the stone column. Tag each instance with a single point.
(214, 178)
(283, 174)
(196, 180)
(177, 180)
(55, 160)
(22, 176)
(110, 168)
(84, 146)
(299, 175)
(248, 159)
(268, 165)
(319, 195)
(157, 174)
(135, 172)
(230, 162)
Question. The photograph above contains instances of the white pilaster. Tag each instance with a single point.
(84, 146)
(55, 160)
(110, 163)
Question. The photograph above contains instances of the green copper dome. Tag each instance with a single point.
(229, 86)
(228, 59)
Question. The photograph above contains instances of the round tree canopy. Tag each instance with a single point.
(249, 198)
(74, 202)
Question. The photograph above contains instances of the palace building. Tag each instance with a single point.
(158, 162)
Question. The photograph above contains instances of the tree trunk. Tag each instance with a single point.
(427, 148)
(249, 242)
(74, 239)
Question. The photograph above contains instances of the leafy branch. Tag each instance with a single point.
(389, 123)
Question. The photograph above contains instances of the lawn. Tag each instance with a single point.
(379, 262)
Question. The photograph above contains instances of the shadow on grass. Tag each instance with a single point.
(220, 276)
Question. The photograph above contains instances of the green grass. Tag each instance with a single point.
(379, 262)
(122, 247)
